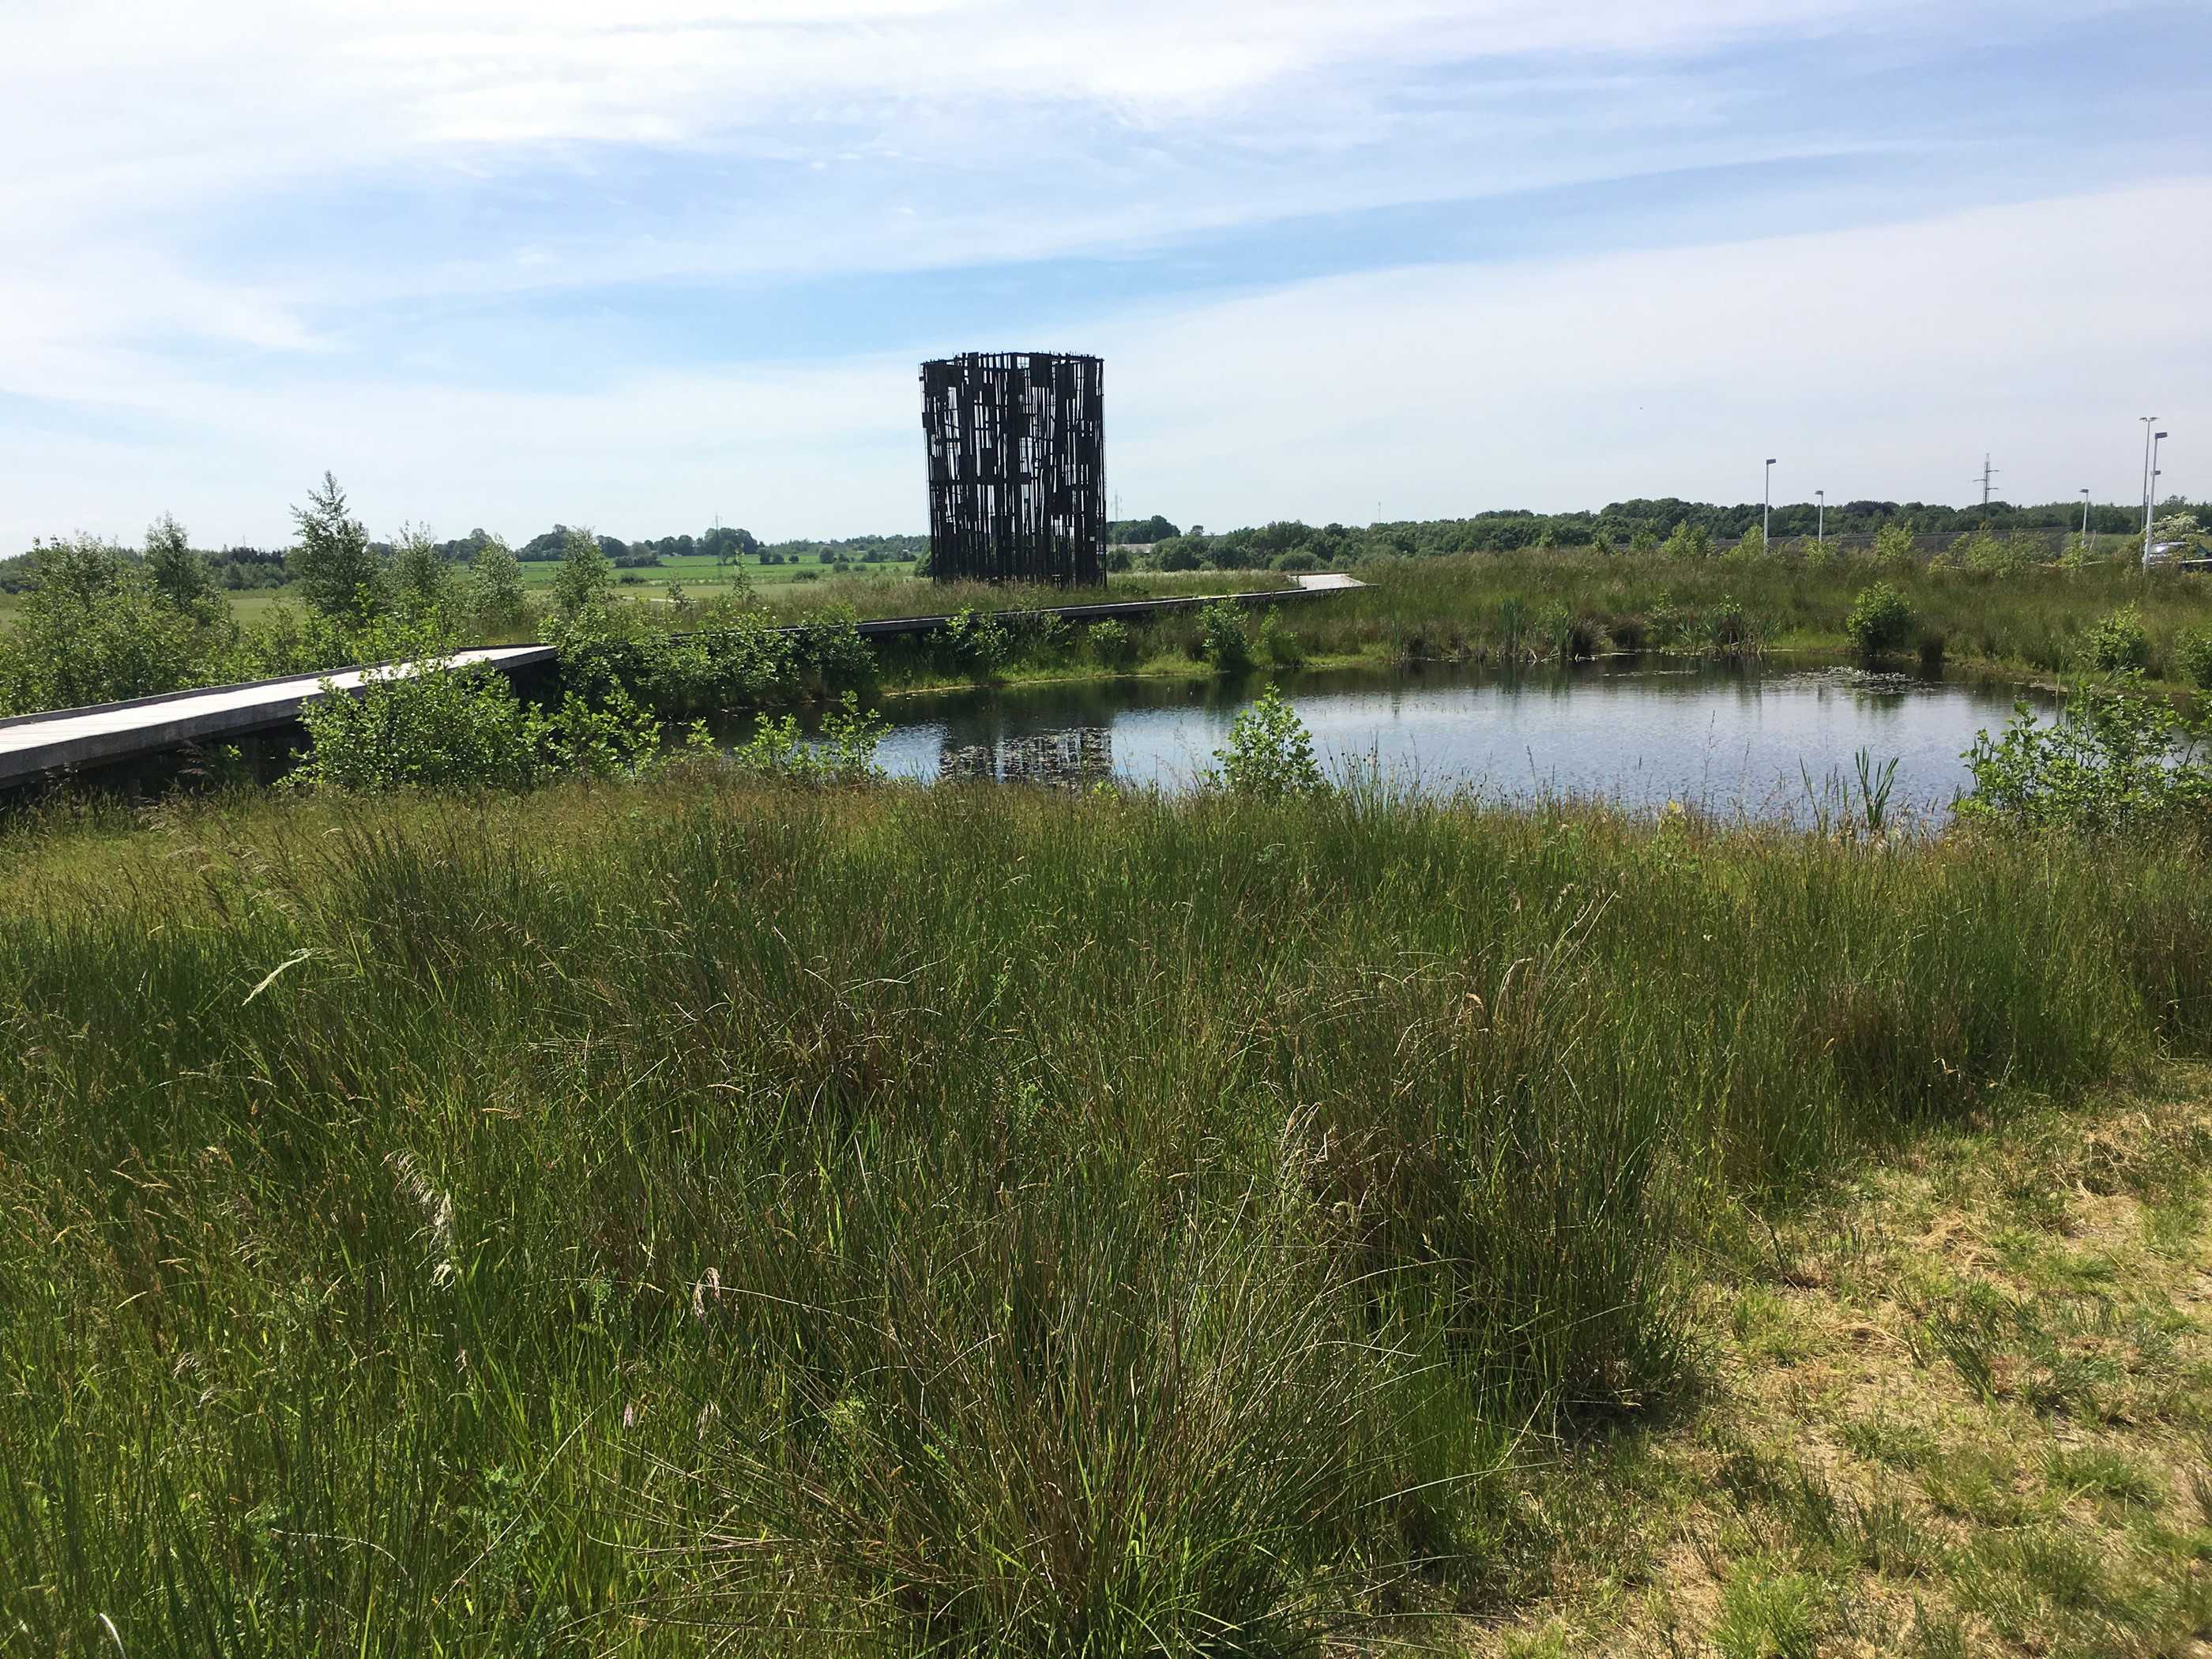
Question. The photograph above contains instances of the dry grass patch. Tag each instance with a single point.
(1962, 1407)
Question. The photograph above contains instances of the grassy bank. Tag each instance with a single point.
(693, 1217)
(104, 633)
(2035, 618)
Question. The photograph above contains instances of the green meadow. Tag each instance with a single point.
(707, 1214)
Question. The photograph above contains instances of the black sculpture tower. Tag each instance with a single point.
(1016, 467)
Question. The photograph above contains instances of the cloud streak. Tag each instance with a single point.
(488, 260)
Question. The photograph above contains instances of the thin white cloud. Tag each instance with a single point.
(1877, 363)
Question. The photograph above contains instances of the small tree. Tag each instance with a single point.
(1893, 545)
(1270, 753)
(584, 579)
(336, 568)
(496, 585)
(421, 581)
(180, 576)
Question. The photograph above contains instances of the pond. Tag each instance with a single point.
(1735, 739)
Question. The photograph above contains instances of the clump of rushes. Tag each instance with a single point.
(725, 1217)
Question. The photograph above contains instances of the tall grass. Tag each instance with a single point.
(2038, 617)
(687, 1216)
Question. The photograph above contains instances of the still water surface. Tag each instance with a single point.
(1641, 732)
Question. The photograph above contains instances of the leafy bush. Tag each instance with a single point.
(2192, 656)
(182, 576)
(1893, 547)
(845, 754)
(831, 653)
(97, 628)
(433, 725)
(975, 643)
(2117, 644)
(1223, 640)
(1750, 547)
(1295, 562)
(2112, 761)
(735, 659)
(428, 722)
(1881, 620)
(1279, 645)
(1112, 644)
(1270, 753)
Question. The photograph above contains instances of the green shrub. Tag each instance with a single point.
(98, 629)
(831, 652)
(1750, 547)
(441, 727)
(1270, 753)
(1881, 620)
(1280, 646)
(975, 643)
(846, 752)
(1223, 640)
(424, 722)
(1296, 562)
(2118, 644)
(2112, 761)
(1112, 644)
(2192, 657)
(1893, 548)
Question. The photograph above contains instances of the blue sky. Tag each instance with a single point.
(500, 264)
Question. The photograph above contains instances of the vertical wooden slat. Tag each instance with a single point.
(1016, 467)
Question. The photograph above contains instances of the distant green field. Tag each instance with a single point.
(698, 570)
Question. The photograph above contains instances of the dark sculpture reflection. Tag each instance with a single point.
(1067, 757)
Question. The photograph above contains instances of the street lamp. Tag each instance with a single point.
(1821, 518)
(2150, 490)
(2148, 421)
(2085, 520)
(1766, 510)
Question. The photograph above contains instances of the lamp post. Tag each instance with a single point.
(2150, 490)
(1820, 519)
(2085, 520)
(2148, 421)
(1766, 503)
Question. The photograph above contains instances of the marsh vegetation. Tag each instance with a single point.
(715, 1210)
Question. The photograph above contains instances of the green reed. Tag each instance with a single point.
(696, 1215)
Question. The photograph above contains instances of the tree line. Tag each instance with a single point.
(1629, 525)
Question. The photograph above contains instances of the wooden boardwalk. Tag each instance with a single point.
(33, 745)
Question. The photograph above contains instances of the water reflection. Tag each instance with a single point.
(1729, 738)
(1066, 757)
